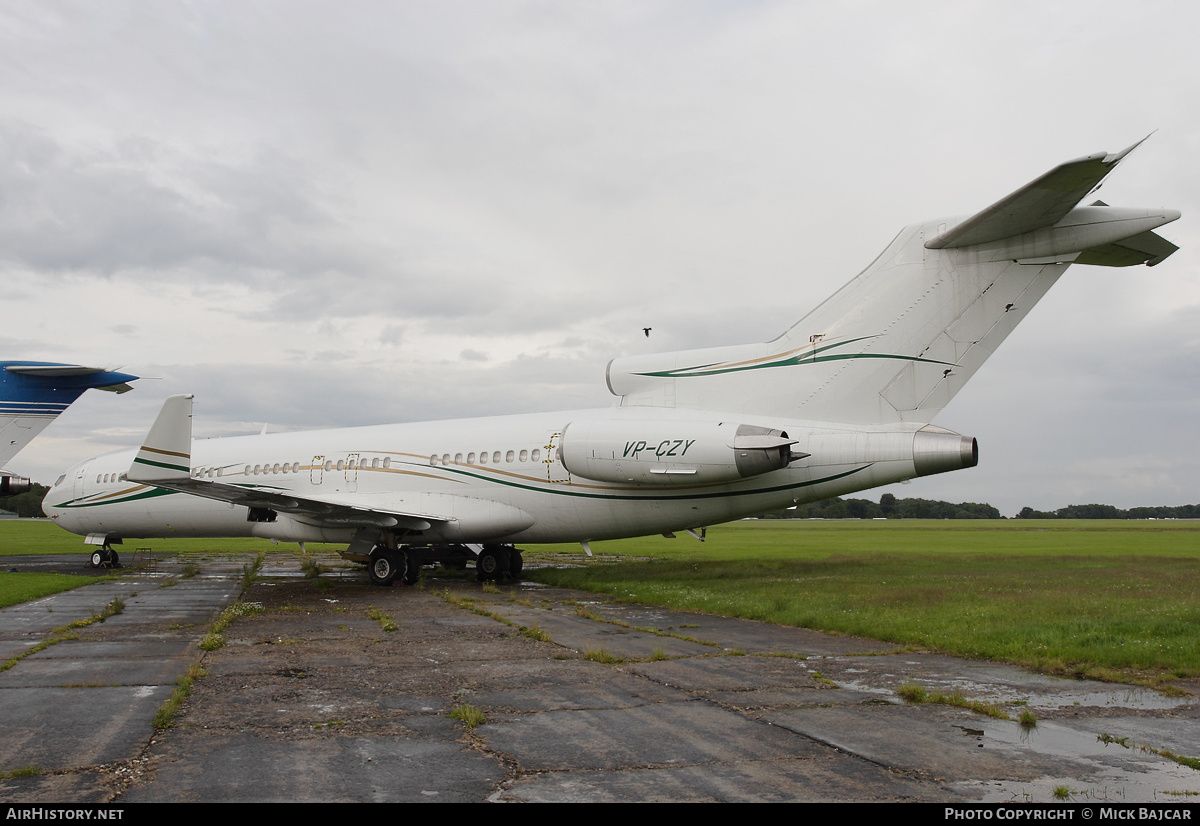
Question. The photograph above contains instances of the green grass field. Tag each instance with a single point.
(23, 587)
(1103, 598)
(41, 536)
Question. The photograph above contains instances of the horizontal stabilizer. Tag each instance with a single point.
(73, 376)
(1040, 203)
(1147, 248)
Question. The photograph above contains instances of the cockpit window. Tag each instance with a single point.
(59, 480)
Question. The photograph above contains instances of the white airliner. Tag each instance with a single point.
(33, 394)
(839, 403)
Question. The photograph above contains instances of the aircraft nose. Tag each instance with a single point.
(58, 493)
(47, 508)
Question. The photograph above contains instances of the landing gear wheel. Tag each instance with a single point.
(114, 559)
(385, 566)
(97, 559)
(492, 564)
(515, 563)
(412, 571)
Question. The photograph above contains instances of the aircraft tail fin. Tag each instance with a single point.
(166, 455)
(34, 393)
(897, 342)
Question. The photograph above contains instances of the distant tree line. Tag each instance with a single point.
(889, 507)
(1111, 512)
(26, 504)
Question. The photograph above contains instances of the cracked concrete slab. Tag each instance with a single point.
(315, 699)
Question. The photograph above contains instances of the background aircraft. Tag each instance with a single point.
(843, 401)
(32, 394)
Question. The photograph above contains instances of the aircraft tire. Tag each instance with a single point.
(97, 559)
(492, 564)
(385, 567)
(114, 559)
(515, 563)
(412, 571)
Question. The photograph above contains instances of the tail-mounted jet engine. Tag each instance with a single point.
(664, 452)
(14, 484)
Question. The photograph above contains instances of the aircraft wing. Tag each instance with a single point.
(1040, 203)
(164, 461)
(326, 512)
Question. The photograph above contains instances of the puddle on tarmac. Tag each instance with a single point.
(1101, 772)
(1041, 693)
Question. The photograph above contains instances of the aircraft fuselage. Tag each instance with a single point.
(494, 478)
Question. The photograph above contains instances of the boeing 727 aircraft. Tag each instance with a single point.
(32, 394)
(841, 402)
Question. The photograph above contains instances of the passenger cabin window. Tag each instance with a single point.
(483, 458)
(536, 456)
(524, 455)
(470, 458)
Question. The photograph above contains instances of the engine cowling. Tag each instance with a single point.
(14, 484)
(665, 452)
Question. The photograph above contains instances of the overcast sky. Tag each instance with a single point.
(321, 214)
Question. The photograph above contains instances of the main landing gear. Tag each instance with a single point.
(389, 563)
(498, 562)
(493, 563)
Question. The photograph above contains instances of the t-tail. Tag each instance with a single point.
(33, 394)
(896, 343)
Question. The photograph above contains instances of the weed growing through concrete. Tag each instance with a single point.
(535, 633)
(468, 715)
(385, 622)
(602, 656)
(25, 771)
(250, 571)
(165, 717)
(235, 611)
(211, 642)
(312, 569)
(913, 693)
(821, 678)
